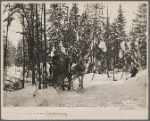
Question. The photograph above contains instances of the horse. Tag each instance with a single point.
(80, 69)
(60, 71)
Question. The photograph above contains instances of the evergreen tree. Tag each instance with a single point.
(96, 19)
(118, 29)
(138, 35)
(10, 58)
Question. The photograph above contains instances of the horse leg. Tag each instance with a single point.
(79, 81)
(69, 80)
(58, 83)
(55, 81)
(71, 85)
(82, 81)
(63, 85)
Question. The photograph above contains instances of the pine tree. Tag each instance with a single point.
(106, 39)
(72, 32)
(118, 29)
(138, 34)
(96, 18)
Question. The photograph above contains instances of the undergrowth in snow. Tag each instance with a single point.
(101, 91)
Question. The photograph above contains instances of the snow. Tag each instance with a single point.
(101, 91)
(102, 45)
(52, 52)
(62, 47)
(47, 67)
(29, 97)
(14, 72)
(120, 54)
(122, 45)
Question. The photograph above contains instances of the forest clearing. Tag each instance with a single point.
(75, 54)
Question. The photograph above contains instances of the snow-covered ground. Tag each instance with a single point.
(26, 97)
(101, 91)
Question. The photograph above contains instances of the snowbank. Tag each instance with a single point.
(140, 80)
(137, 87)
(101, 91)
(122, 93)
(26, 98)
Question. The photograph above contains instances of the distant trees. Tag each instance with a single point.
(11, 54)
(19, 54)
(8, 21)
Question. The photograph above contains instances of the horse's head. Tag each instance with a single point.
(73, 67)
(81, 66)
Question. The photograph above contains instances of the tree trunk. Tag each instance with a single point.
(23, 53)
(42, 44)
(32, 45)
(114, 65)
(45, 85)
(38, 52)
(6, 46)
(107, 66)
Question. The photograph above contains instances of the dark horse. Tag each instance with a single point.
(61, 71)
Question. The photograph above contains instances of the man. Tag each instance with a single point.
(55, 60)
(134, 70)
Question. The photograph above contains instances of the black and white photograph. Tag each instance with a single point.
(74, 59)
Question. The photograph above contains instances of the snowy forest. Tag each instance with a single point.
(64, 46)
